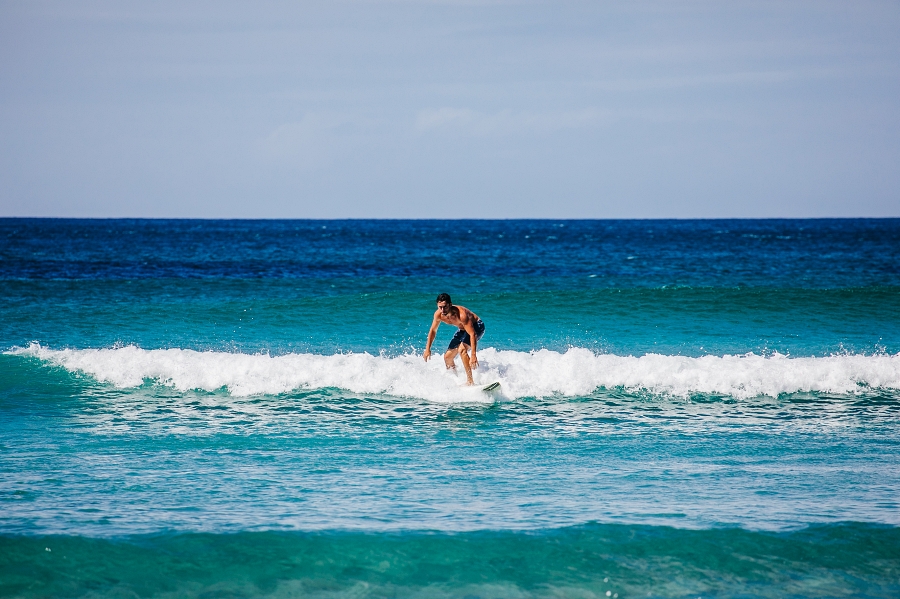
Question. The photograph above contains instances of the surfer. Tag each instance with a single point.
(470, 331)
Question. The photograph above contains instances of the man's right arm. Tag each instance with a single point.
(432, 332)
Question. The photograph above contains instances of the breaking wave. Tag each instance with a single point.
(575, 372)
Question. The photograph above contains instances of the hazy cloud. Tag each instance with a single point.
(308, 143)
(505, 122)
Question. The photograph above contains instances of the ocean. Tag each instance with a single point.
(234, 408)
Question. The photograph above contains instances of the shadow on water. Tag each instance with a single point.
(594, 560)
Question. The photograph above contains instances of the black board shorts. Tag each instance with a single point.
(462, 336)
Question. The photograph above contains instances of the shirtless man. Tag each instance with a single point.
(470, 331)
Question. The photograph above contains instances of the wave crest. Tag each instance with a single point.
(575, 372)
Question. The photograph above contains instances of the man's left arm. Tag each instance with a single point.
(470, 329)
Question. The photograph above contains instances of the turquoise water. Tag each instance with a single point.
(587, 561)
(240, 408)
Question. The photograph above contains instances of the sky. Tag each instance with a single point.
(456, 109)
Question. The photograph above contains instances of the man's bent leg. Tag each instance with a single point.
(449, 359)
(464, 354)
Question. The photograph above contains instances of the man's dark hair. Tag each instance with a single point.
(445, 297)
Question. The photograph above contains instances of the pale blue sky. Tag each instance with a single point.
(450, 109)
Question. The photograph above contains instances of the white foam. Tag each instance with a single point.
(522, 374)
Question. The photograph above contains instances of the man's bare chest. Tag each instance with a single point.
(456, 322)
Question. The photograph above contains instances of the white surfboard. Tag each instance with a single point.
(491, 387)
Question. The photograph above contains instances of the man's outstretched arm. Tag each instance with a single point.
(432, 332)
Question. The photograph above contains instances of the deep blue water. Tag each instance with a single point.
(240, 408)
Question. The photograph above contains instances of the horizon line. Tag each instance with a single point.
(389, 219)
